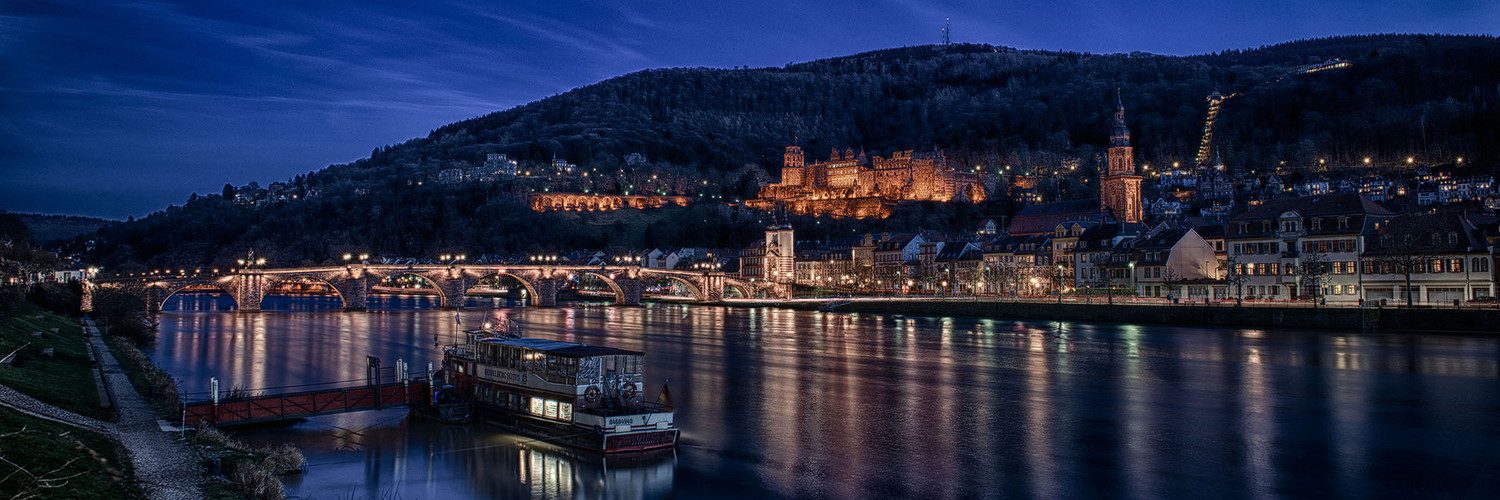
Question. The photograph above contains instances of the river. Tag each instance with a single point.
(798, 404)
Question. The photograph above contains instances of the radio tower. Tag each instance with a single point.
(945, 30)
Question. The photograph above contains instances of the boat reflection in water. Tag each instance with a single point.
(431, 460)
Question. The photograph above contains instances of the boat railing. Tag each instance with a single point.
(633, 409)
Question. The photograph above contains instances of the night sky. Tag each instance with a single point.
(113, 109)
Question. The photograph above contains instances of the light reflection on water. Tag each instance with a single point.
(777, 403)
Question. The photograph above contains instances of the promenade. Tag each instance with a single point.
(1268, 314)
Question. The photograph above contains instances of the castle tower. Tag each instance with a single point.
(793, 157)
(1119, 186)
(792, 165)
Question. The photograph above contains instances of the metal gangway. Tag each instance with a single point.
(257, 407)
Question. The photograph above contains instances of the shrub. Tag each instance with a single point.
(284, 459)
(61, 298)
(256, 482)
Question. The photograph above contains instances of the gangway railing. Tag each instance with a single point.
(405, 391)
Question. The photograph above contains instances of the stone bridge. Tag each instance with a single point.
(353, 283)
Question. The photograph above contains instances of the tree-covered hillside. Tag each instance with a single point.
(1427, 96)
(1430, 96)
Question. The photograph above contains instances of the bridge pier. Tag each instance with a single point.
(546, 292)
(713, 287)
(154, 300)
(248, 290)
(86, 302)
(630, 292)
(355, 291)
(453, 293)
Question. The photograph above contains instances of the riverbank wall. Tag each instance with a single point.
(1337, 318)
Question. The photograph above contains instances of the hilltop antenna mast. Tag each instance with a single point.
(946, 20)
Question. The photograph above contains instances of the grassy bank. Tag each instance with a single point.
(45, 459)
(66, 378)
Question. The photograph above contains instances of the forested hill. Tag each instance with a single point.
(1434, 97)
(48, 228)
(1426, 95)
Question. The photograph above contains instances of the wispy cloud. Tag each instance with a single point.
(569, 35)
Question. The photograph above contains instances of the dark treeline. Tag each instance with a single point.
(474, 219)
(1430, 96)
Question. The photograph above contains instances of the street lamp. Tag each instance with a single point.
(250, 261)
(1058, 282)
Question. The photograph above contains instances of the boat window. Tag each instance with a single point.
(588, 370)
(535, 361)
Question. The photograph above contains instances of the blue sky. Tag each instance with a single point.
(120, 108)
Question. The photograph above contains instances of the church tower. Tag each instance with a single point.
(1119, 186)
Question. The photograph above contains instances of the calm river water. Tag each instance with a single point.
(782, 404)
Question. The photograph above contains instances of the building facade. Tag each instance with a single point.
(852, 184)
(1302, 247)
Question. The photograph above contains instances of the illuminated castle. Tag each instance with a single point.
(851, 184)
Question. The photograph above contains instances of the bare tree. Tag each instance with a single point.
(1312, 274)
(1403, 247)
(1234, 278)
(1173, 279)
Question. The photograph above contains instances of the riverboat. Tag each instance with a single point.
(574, 394)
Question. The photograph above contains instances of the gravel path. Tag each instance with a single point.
(165, 464)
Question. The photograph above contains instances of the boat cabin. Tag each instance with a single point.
(592, 376)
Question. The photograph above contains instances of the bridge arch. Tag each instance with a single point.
(165, 290)
(614, 286)
(697, 291)
(271, 285)
(531, 292)
(744, 291)
(375, 279)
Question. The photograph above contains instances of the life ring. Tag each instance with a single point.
(591, 395)
(628, 391)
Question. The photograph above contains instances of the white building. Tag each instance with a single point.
(1301, 247)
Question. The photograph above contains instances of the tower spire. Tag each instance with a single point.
(946, 20)
(1119, 135)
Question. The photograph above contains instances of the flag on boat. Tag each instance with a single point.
(665, 398)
